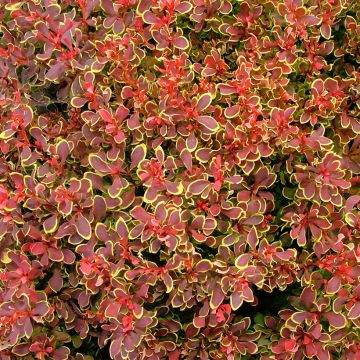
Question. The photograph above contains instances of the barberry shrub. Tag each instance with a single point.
(179, 179)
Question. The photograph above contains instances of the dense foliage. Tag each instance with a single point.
(179, 179)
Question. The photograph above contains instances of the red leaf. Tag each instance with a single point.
(203, 102)
(198, 186)
(83, 227)
(217, 297)
(50, 224)
(209, 122)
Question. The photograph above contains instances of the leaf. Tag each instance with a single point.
(183, 7)
(232, 111)
(199, 321)
(98, 164)
(354, 312)
(65, 207)
(150, 195)
(308, 296)
(300, 316)
(106, 116)
(27, 327)
(113, 310)
(115, 347)
(325, 30)
(168, 281)
(174, 188)
(337, 321)
(63, 150)
(203, 266)
(252, 238)
(7, 134)
(121, 228)
(236, 300)
(83, 227)
(203, 102)
(198, 186)
(118, 185)
(76, 341)
(233, 213)
(226, 89)
(217, 297)
(51, 224)
(186, 158)
(69, 256)
(191, 142)
(242, 261)
(160, 154)
(149, 17)
(181, 43)
(138, 155)
(55, 254)
(56, 281)
(333, 285)
(37, 248)
(203, 154)
(127, 92)
(78, 102)
(209, 122)
(55, 72)
(140, 214)
(14, 6)
(143, 5)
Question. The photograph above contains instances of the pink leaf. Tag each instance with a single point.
(83, 227)
(217, 297)
(198, 186)
(209, 122)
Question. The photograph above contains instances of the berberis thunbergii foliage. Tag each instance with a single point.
(179, 179)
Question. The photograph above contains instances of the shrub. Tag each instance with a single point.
(179, 179)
